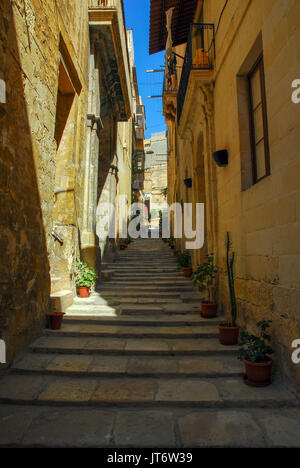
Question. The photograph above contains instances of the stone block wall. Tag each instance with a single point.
(263, 219)
(32, 32)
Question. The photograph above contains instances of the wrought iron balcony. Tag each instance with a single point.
(200, 55)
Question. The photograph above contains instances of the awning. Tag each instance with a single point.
(183, 16)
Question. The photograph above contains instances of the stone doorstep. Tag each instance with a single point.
(189, 392)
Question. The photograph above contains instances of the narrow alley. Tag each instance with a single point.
(137, 361)
(149, 225)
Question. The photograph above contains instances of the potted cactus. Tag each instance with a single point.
(85, 279)
(255, 353)
(185, 261)
(205, 277)
(229, 332)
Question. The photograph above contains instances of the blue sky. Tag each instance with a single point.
(137, 16)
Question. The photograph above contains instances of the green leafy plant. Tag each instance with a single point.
(85, 275)
(184, 259)
(256, 348)
(230, 274)
(171, 241)
(205, 275)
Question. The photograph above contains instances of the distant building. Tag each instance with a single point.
(156, 171)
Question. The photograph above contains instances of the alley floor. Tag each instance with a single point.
(135, 365)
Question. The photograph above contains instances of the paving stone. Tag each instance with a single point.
(63, 342)
(274, 395)
(150, 365)
(105, 343)
(220, 429)
(73, 363)
(191, 366)
(71, 390)
(108, 364)
(14, 423)
(34, 361)
(125, 390)
(145, 429)
(71, 427)
(282, 427)
(146, 345)
(20, 387)
(191, 390)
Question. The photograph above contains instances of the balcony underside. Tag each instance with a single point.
(106, 36)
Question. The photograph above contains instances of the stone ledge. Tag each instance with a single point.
(61, 300)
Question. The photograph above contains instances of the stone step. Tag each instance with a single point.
(154, 276)
(126, 366)
(160, 320)
(150, 285)
(132, 331)
(140, 293)
(229, 392)
(146, 289)
(168, 308)
(147, 271)
(131, 346)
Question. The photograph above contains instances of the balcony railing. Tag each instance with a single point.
(102, 4)
(199, 55)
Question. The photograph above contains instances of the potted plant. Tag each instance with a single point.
(123, 244)
(255, 353)
(185, 261)
(55, 320)
(85, 278)
(204, 276)
(229, 332)
(171, 242)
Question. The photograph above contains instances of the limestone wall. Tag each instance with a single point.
(263, 219)
(33, 35)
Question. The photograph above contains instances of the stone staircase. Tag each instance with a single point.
(136, 365)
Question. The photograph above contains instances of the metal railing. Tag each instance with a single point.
(199, 55)
(102, 3)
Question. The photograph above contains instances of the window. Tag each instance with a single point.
(258, 122)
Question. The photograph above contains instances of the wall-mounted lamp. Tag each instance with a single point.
(221, 158)
(188, 183)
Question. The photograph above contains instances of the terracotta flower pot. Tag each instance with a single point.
(228, 335)
(209, 309)
(187, 271)
(123, 247)
(175, 253)
(55, 320)
(83, 291)
(258, 374)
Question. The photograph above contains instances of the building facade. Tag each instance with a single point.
(155, 178)
(236, 62)
(66, 126)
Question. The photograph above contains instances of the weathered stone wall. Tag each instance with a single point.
(263, 219)
(30, 39)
